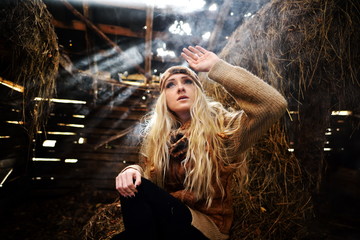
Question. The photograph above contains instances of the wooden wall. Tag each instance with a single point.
(101, 137)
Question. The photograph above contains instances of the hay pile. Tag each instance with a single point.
(307, 50)
(32, 59)
(275, 203)
(105, 223)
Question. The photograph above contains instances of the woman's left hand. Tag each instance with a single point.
(199, 58)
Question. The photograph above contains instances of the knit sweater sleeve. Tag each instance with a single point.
(262, 104)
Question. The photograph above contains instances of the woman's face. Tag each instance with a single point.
(180, 95)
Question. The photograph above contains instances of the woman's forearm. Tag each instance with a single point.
(262, 104)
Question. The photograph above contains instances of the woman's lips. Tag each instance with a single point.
(182, 98)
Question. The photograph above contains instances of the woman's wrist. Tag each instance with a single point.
(135, 167)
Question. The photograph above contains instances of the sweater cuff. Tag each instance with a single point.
(218, 70)
(136, 167)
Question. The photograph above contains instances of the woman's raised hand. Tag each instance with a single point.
(127, 181)
(199, 58)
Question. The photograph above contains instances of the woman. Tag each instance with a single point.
(191, 148)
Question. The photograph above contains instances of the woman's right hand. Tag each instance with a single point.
(127, 181)
(199, 58)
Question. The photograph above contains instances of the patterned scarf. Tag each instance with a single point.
(175, 176)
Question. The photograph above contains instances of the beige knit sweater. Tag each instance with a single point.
(261, 106)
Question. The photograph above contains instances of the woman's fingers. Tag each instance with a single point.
(195, 55)
(137, 179)
(197, 50)
(128, 183)
(125, 182)
(201, 49)
(186, 57)
(190, 55)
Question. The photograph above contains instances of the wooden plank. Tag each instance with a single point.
(108, 29)
(131, 115)
(66, 151)
(223, 12)
(48, 169)
(12, 85)
(148, 41)
(71, 109)
(91, 125)
(91, 140)
(73, 154)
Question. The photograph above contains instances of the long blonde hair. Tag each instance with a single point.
(206, 150)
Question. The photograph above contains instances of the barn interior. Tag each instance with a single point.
(78, 76)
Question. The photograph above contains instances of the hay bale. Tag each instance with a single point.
(303, 49)
(275, 204)
(32, 57)
(309, 51)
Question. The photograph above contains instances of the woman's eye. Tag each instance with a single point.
(188, 81)
(169, 85)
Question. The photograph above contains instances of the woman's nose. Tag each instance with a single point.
(181, 88)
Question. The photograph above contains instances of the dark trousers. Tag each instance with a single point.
(153, 214)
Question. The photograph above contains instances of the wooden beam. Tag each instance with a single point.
(108, 29)
(105, 28)
(223, 12)
(91, 26)
(91, 59)
(120, 135)
(12, 85)
(117, 30)
(97, 31)
(148, 41)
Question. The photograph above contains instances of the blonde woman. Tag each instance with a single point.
(191, 148)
